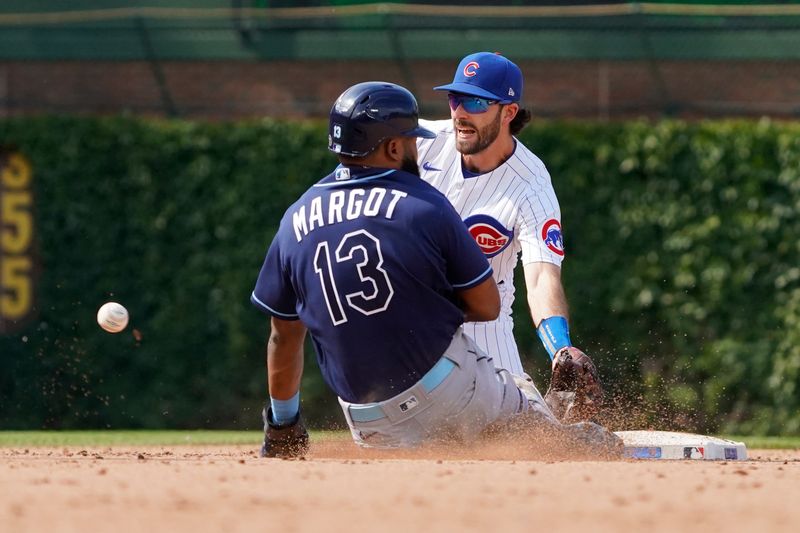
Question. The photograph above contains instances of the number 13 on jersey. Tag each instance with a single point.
(358, 250)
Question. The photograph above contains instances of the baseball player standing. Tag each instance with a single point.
(378, 266)
(504, 195)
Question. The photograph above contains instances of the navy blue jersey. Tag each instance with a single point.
(369, 260)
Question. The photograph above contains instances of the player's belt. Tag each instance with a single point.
(369, 412)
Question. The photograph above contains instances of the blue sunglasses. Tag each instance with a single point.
(471, 104)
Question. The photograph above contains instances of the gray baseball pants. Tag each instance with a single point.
(457, 400)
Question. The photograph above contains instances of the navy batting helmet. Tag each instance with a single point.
(368, 113)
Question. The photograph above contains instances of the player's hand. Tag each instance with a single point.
(575, 391)
(284, 441)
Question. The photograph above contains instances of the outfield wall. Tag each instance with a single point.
(208, 59)
(225, 90)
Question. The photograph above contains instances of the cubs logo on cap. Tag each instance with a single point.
(491, 236)
(487, 75)
(551, 235)
(471, 69)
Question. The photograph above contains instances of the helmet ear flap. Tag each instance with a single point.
(359, 134)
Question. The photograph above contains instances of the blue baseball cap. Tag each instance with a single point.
(487, 75)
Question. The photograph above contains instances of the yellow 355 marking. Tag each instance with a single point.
(16, 240)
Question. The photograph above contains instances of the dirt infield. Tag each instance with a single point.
(340, 488)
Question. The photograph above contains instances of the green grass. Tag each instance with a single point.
(18, 439)
(767, 443)
(139, 438)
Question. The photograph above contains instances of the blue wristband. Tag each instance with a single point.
(554, 334)
(285, 411)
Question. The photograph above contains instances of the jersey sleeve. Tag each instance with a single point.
(439, 127)
(273, 293)
(466, 264)
(539, 226)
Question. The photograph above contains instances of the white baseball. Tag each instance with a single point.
(112, 317)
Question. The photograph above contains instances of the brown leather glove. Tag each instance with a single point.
(575, 393)
(283, 441)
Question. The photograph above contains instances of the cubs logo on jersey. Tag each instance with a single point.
(491, 236)
(551, 235)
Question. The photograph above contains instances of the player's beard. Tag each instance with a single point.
(484, 136)
(409, 164)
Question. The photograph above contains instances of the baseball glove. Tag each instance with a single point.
(575, 391)
(285, 442)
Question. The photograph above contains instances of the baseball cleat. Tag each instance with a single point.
(535, 399)
(594, 440)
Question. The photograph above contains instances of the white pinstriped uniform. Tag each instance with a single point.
(519, 195)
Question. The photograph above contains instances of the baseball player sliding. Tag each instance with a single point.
(504, 195)
(379, 268)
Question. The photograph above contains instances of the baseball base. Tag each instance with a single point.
(675, 445)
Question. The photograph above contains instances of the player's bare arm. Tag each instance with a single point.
(546, 296)
(285, 357)
(575, 392)
(482, 302)
(285, 434)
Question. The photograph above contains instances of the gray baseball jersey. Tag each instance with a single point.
(511, 210)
